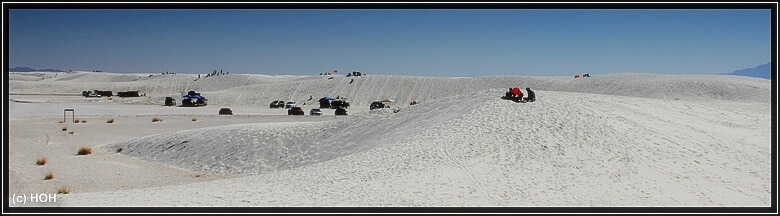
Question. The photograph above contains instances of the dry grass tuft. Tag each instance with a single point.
(111, 120)
(85, 150)
(77, 120)
(194, 118)
(157, 119)
(83, 121)
(41, 161)
(49, 175)
(118, 150)
(71, 132)
(64, 128)
(63, 190)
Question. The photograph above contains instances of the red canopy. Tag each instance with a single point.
(516, 91)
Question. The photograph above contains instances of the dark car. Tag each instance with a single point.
(295, 111)
(337, 104)
(192, 99)
(169, 101)
(276, 104)
(376, 105)
(341, 111)
(225, 111)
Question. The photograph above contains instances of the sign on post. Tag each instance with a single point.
(65, 114)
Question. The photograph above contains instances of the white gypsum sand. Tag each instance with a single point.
(607, 140)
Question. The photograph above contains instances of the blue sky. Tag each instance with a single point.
(424, 42)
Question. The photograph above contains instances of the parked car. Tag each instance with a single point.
(192, 99)
(290, 104)
(315, 112)
(341, 111)
(225, 111)
(376, 105)
(276, 104)
(295, 111)
(90, 94)
(169, 101)
(339, 103)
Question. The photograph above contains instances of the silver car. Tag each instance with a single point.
(315, 112)
(290, 104)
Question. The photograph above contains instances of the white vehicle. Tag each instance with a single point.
(290, 104)
(315, 112)
(90, 94)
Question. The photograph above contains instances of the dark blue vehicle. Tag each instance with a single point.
(193, 99)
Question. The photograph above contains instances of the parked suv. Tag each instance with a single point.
(295, 111)
(376, 105)
(277, 104)
(336, 104)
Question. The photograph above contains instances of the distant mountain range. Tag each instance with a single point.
(26, 69)
(761, 71)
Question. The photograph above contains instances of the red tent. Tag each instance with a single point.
(515, 91)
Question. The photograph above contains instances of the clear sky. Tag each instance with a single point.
(425, 42)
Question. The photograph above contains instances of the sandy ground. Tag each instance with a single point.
(693, 145)
(28, 127)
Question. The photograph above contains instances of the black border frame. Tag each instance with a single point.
(773, 209)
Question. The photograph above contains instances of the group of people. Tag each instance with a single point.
(516, 94)
(584, 75)
(215, 73)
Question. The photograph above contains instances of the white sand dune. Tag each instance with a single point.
(260, 90)
(608, 140)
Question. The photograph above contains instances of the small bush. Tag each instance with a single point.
(156, 119)
(41, 161)
(83, 121)
(63, 190)
(85, 150)
(76, 120)
(64, 128)
(118, 150)
(111, 120)
(49, 175)
(194, 118)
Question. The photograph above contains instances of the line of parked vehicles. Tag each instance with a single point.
(293, 108)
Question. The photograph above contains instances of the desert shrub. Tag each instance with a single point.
(41, 161)
(111, 120)
(83, 121)
(156, 119)
(49, 175)
(71, 132)
(64, 128)
(194, 118)
(85, 150)
(63, 190)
